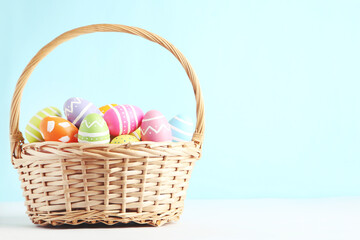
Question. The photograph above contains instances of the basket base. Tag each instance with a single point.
(94, 217)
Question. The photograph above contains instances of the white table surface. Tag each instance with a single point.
(305, 219)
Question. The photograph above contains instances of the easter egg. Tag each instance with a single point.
(104, 109)
(58, 129)
(93, 129)
(123, 119)
(124, 139)
(155, 127)
(181, 128)
(32, 130)
(76, 109)
(137, 134)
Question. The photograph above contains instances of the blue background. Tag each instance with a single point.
(280, 81)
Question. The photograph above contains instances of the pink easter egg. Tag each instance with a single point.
(155, 127)
(123, 119)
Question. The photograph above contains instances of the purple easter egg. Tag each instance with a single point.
(76, 109)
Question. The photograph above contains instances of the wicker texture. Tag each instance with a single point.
(74, 183)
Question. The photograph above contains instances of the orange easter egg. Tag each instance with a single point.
(103, 109)
(58, 129)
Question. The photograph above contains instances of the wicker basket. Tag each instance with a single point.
(74, 183)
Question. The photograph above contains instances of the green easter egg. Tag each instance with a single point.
(93, 129)
(32, 130)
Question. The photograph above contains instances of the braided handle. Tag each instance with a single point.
(16, 138)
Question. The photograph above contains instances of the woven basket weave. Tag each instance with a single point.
(74, 183)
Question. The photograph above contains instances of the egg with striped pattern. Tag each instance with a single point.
(104, 109)
(122, 139)
(182, 128)
(76, 109)
(93, 129)
(58, 129)
(32, 130)
(155, 127)
(137, 134)
(123, 119)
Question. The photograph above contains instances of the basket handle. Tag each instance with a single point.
(16, 137)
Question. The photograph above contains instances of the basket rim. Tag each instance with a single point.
(51, 151)
(148, 143)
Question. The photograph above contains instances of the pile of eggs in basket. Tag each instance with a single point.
(116, 124)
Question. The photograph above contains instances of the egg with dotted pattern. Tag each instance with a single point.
(123, 119)
(122, 139)
(32, 130)
(93, 129)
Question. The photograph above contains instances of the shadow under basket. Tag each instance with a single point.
(74, 183)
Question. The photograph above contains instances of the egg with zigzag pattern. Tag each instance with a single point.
(155, 127)
(76, 109)
(94, 129)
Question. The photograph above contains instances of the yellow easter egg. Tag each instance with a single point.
(122, 139)
(137, 134)
(103, 109)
